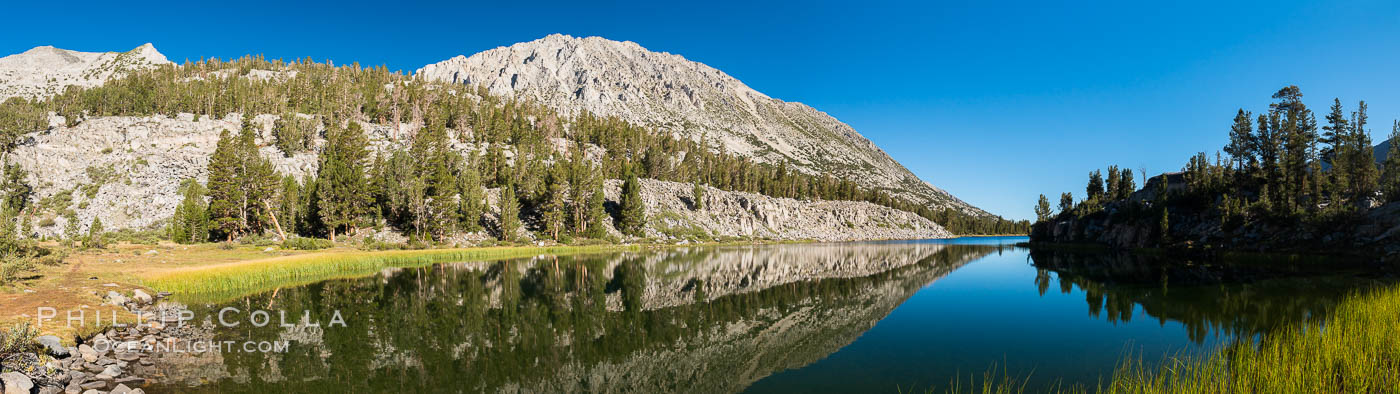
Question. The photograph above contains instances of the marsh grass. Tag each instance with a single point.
(1356, 350)
(223, 282)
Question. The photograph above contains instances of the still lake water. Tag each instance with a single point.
(839, 317)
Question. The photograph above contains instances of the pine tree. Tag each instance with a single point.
(1113, 179)
(290, 203)
(70, 227)
(1163, 228)
(597, 215)
(697, 195)
(241, 185)
(1390, 174)
(554, 203)
(1126, 184)
(191, 222)
(510, 213)
(472, 198)
(1094, 190)
(633, 210)
(582, 181)
(1241, 147)
(96, 238)
(224, 192)
(1066, 202)
(1042, 209)
(1334, 132)
(440, 205)
(341, 186)
(1363, 160)
(258, 182)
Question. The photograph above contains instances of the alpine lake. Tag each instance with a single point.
(898, 316)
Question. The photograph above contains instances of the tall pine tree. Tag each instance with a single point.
(633, 208)
(341, 187)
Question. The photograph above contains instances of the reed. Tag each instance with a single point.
(1354, 351)
(223, 282)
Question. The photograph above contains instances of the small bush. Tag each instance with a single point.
(372, 244)
(303, 243)
(19, 338)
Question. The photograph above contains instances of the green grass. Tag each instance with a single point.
(224, 282)
(1354, 351)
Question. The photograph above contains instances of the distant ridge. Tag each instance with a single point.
(45, 71)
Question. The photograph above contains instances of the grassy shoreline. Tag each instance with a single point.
(1351, 351)
(222, 282)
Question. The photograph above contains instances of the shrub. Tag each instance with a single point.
(19, 338)
(303, 243)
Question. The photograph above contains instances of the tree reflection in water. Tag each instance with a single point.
(700, 320)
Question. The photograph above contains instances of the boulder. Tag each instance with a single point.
(16, 383)
(115, 298)
(142, 297)
(53, 346)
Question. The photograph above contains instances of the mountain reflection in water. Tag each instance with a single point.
(804, 317)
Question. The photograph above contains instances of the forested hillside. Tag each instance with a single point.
(412, 155)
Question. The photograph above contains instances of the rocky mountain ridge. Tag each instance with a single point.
(45, 71)
(126, 170)
(689, 99)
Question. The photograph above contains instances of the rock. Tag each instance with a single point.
(98, 384)
(112, 370)
(53, 346)
(50, 390)
(132, 381)
(16, 383)
(115, 298)
(736, 214)
(120, 389)
(141, 297)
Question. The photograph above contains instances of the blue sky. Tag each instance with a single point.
(994, 102)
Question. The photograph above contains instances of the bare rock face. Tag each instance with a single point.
(45, 71)
(689, 99)
(127, 170)
(671, 212)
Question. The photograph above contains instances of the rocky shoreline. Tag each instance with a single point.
(117, 361)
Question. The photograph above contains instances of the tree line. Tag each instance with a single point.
(1277, 165)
